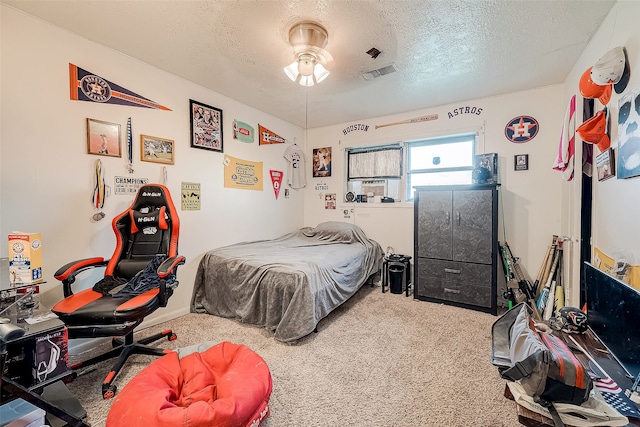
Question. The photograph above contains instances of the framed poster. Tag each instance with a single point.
(605, 164)
(628, 163)
(322, 162)
(521, 162)
(156, 150)
(206, 126)
(103, 138)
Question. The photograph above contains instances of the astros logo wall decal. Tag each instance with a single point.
(521, 129)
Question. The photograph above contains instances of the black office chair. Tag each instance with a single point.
(138, 279)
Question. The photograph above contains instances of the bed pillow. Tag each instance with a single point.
(335, 231)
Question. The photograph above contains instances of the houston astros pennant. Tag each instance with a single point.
(85, 86)
(267, 137)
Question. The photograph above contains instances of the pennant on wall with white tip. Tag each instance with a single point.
(276, 181)
(268, 137)
(86, 86)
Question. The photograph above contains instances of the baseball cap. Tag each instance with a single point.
(621, 85)
(594, 130)
(589, 89)
(612, 68)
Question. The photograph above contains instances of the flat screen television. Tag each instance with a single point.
(613, 314)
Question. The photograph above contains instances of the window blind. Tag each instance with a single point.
(375, 163)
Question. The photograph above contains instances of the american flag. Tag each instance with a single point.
(615, 397)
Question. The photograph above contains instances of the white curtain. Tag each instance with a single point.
(376, 163)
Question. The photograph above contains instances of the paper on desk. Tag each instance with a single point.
(40, 318)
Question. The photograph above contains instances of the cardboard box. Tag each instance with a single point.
(25, 258)
(20, 413)
(50, 357)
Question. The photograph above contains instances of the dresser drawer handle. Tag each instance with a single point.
(451, 270)
(451, 291)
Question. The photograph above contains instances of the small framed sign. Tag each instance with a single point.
(521, 162)
(605, 164)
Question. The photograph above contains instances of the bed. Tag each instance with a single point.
(288, 284)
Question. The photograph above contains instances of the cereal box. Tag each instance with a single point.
(25, 258)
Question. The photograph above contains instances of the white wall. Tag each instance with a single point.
(616, 201)
(46, 174)
(530, 199)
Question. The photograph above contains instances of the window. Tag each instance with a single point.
(440, 161)
(378, 170)
(375, 170)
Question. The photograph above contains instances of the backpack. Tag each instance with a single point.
(543, 364)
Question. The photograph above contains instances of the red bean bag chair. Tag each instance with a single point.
(227, 385)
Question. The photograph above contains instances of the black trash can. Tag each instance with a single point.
(396, 277)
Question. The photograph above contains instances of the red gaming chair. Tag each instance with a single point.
(138, 279)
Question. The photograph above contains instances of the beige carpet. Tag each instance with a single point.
(378, 360)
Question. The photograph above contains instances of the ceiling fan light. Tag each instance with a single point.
(307, 80)
(306, 65)
(320, 73)
(291, 71)
(308, 40)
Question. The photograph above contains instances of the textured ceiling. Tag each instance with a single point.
(446, 50)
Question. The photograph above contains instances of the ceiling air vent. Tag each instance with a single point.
(374, 52)
(374, 74)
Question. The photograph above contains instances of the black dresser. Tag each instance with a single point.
(456, 245)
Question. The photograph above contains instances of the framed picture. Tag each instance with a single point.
(156, 150)
(206, 126)
(322, 162)
(521, 162)
(628, 135)
(605, 165)
(103, 138)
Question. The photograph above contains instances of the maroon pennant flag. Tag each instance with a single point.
(276, 181)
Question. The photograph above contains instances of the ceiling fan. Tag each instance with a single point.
(308, 40)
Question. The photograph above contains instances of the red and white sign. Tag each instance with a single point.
(276, 181)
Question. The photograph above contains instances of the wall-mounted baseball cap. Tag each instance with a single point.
(589, 89)
(613, 68)
(594, 130)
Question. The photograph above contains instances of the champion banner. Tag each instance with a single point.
(267, 137)
(86, 86)
(242, 174)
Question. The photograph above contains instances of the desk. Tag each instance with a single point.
(34, 362)
(39, 357)
(596, 350)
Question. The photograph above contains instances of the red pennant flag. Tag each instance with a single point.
(267, 137)
(276, 180)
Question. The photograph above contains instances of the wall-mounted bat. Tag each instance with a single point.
(427, 118)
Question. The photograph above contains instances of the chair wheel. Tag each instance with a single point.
(172, 337)
(110, 392)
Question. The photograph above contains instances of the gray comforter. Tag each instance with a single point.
(286, 285)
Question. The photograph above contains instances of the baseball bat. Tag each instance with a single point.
(415, 120)
(547, 268)
(536, 284)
